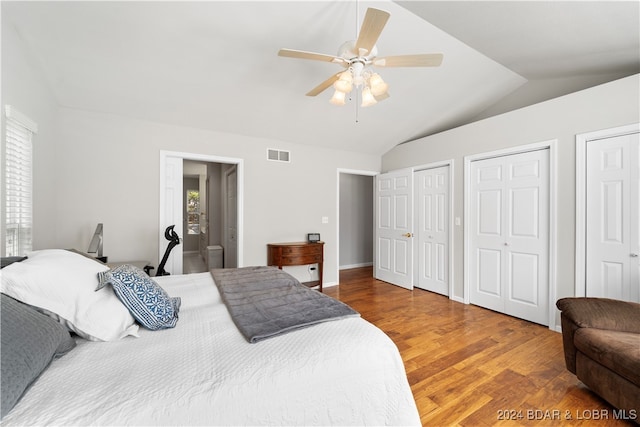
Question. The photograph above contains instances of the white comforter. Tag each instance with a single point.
(203, 372)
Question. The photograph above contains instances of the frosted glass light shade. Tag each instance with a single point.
(378, 86)
(338, 98)
(367, 98)
(344, 83)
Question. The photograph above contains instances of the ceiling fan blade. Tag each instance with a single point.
(324, 85)
(300, 54)
(374, 22)
(420, 60)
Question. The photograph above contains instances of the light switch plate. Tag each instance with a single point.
(325, 220)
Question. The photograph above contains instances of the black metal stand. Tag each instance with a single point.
(174, 240)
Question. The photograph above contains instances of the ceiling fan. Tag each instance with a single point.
(359, 57)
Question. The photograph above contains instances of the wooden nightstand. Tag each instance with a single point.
(297, 253)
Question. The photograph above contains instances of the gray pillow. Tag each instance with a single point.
(30, 341)
(6, 261)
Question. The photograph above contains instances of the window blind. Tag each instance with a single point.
(18, 183)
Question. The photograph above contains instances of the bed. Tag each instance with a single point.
(203, 371)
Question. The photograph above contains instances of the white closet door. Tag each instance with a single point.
(527, 250)
(487, 233)
(509, 235)
(394, 223)
(613, 235)
(432, 232)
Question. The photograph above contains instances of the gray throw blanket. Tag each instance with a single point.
(265, 302)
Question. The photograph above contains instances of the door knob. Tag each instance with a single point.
(633, 255)
(408, 234)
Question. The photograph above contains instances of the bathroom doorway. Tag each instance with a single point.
(201, 215)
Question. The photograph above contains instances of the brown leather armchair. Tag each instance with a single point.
(601, 339)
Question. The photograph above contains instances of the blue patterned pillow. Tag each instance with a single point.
(151, 306)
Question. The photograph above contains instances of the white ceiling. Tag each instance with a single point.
(214, 64)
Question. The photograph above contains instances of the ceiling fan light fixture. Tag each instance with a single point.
(338, 98)
(378, 86)
(344, 83)
(359, 57)
(367, 98)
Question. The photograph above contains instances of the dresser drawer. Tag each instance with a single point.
(300, 259)
(298, 250)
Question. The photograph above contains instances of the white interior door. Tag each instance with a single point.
(394, 228)
(612, 218)
(432, 229)
(231, 219)
(509, 235)
(171, 202)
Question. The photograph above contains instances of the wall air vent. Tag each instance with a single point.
(278, 155)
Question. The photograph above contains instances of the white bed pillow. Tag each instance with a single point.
(62, 285)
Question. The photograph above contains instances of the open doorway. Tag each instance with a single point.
(202, 197)
(210, 218)
(355, 219)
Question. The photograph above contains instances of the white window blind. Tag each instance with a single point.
(18, 182)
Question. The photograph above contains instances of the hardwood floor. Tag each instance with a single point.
(470, 366)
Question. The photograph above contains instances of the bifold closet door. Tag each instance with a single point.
(509, 234)
(613, 218)
(432, 229)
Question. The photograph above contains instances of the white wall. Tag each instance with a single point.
(108, 171)
(25, 89)
(605, 106)
(91, 167)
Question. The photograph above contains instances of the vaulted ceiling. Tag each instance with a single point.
(214, 64)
